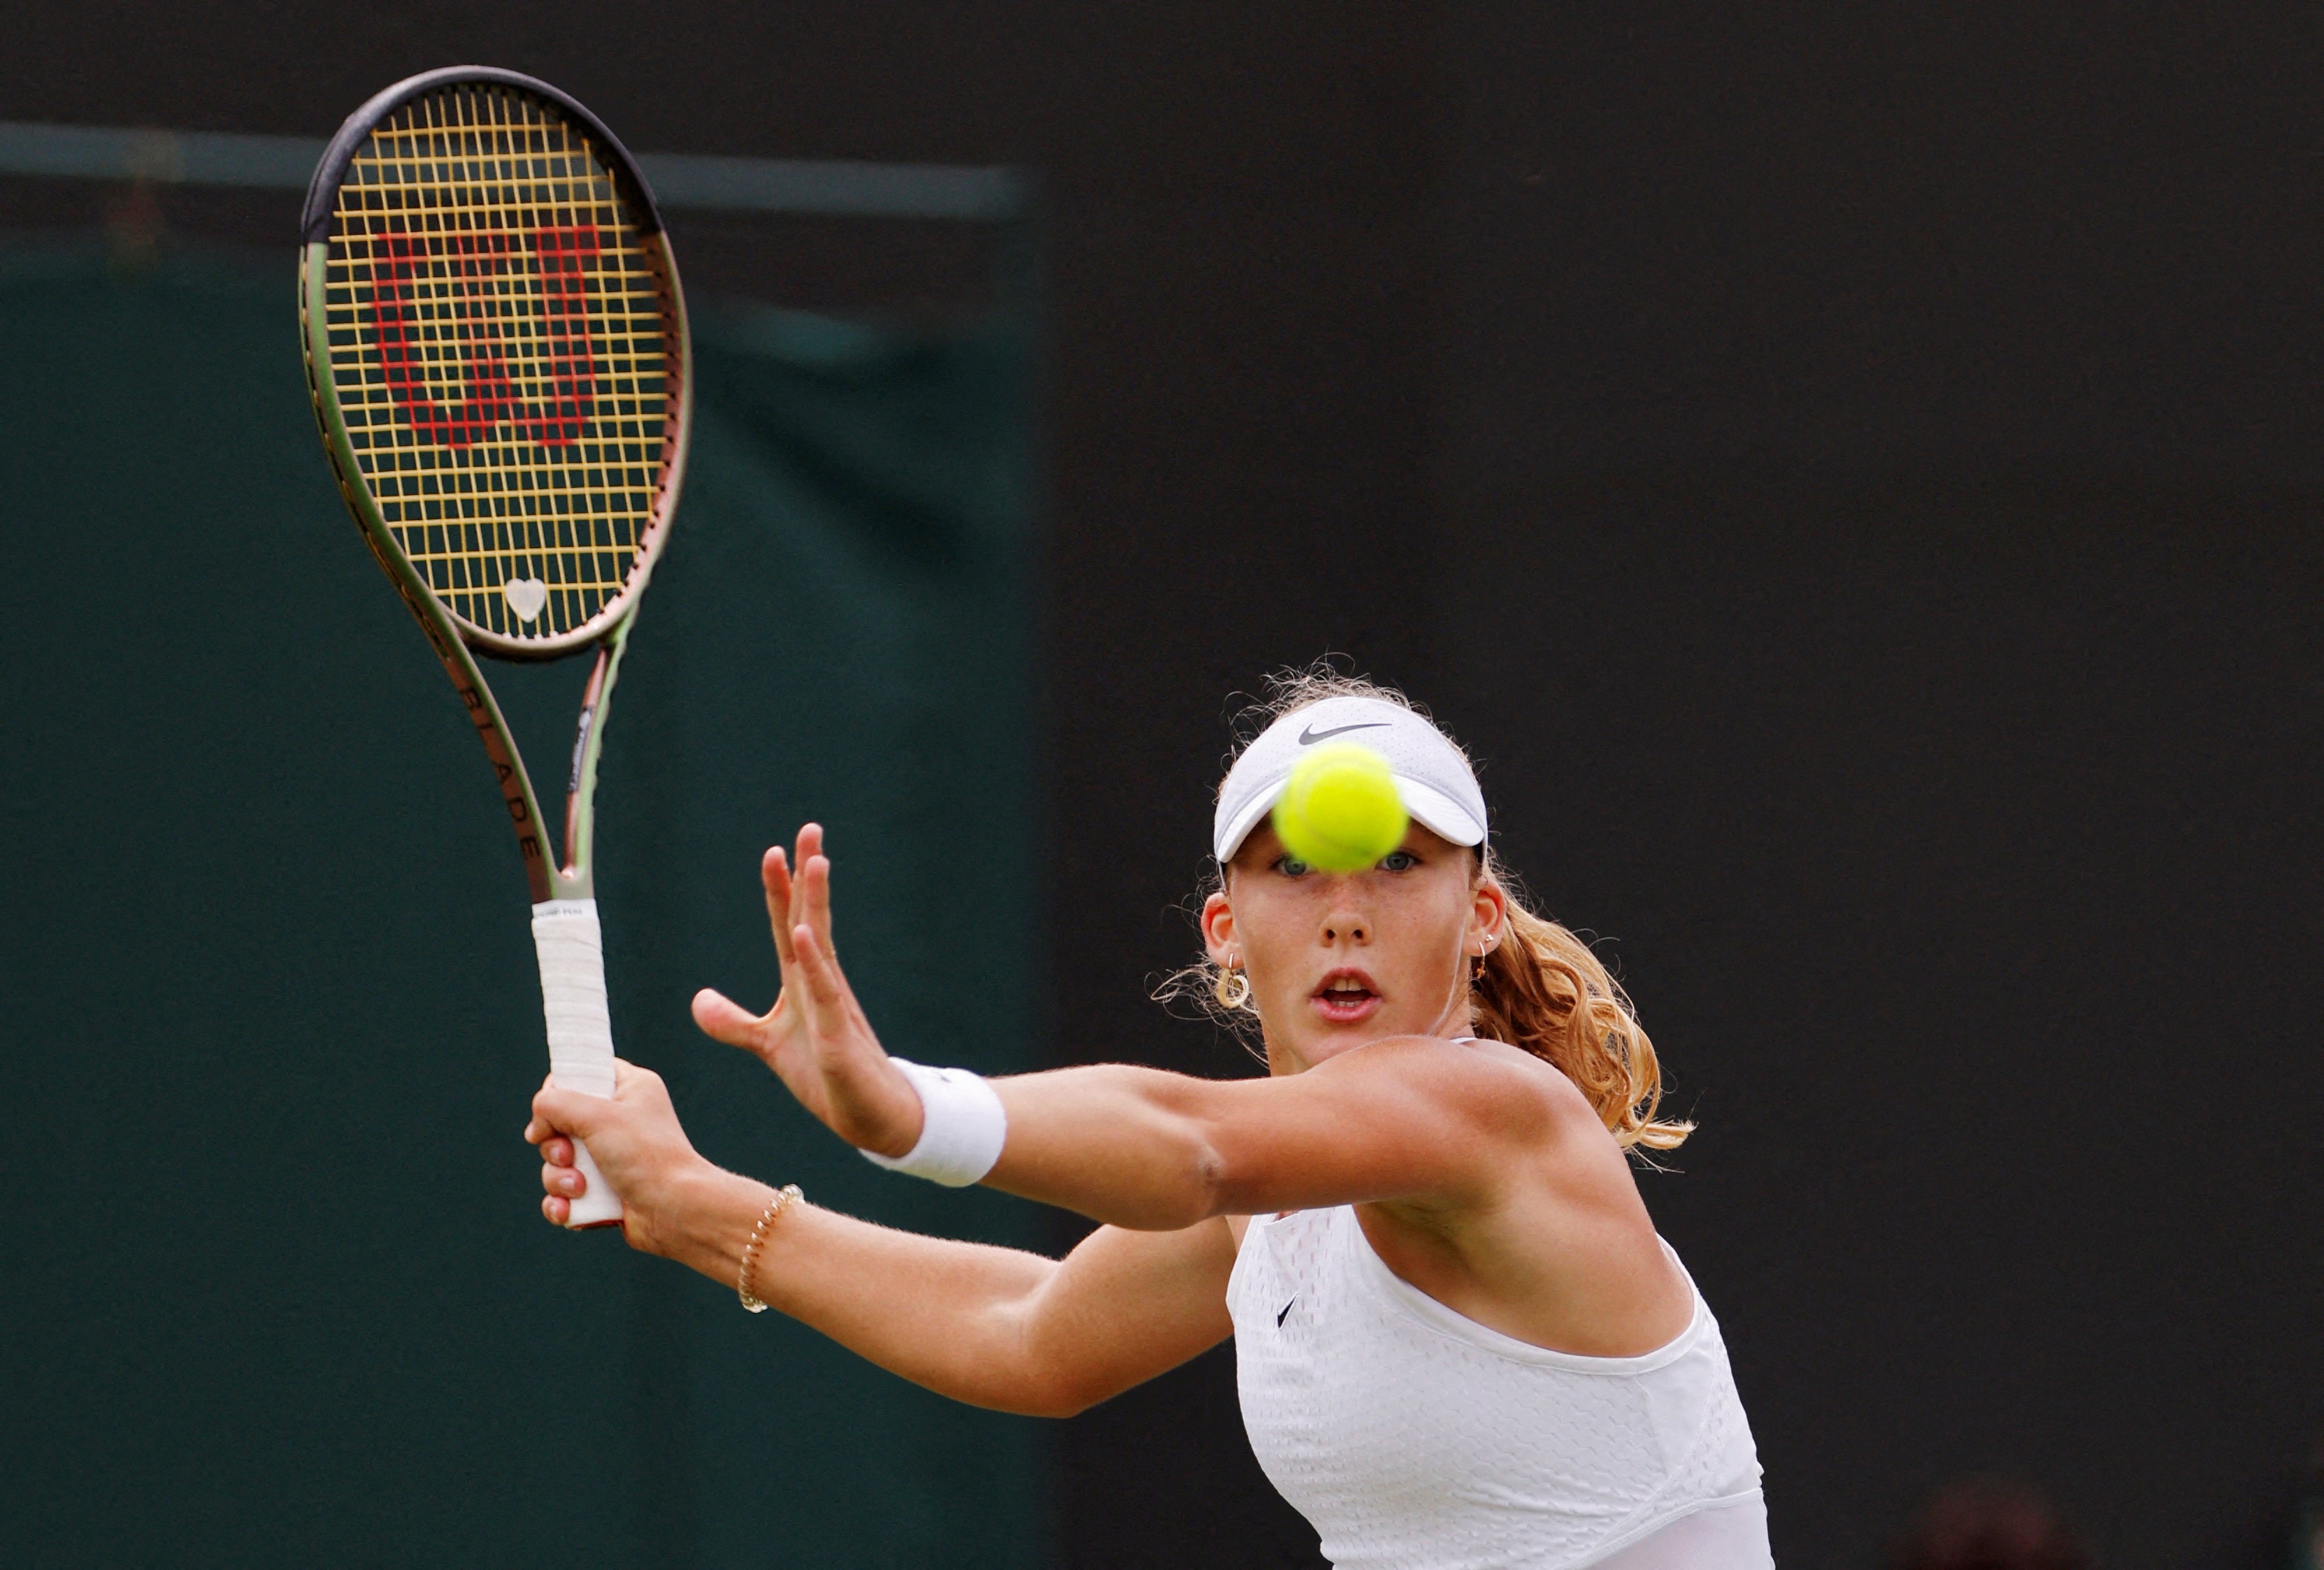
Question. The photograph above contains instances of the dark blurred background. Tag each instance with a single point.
(1853, 478)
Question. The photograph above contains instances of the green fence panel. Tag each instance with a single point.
(278, 1292)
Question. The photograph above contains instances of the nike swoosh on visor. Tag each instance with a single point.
(1308, 737)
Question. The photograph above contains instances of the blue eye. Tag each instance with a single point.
(1399, 861)
(1291, 867)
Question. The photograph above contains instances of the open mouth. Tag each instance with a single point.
(1345, 996)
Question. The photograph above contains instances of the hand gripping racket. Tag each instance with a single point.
(497, 350)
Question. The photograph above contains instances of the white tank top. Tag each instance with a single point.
(1414, 1438)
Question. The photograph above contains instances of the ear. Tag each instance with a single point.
(1218, 924)
(1488, 917)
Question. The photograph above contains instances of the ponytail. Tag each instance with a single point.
(1542, 990)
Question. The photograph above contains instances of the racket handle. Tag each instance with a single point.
(571, 952)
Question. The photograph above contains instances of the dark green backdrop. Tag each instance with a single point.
(278, 1291)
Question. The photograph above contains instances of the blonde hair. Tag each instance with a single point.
(1541, 989)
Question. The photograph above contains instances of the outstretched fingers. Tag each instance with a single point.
(798, 889)
(775, 876)
(811, 886)
(814, 1000)
(826, 989)
(722, 1019)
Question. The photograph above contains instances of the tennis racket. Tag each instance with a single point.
(497, 350)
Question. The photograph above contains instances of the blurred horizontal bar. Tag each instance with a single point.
(168, 156)
(835, 187)
(830, 187)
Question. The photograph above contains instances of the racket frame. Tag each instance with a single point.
(569, 873)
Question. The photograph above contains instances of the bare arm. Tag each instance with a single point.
(1418, 1118)
(995, 1327)
(1517, 1207)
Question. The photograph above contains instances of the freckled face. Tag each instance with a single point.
(1337, 959)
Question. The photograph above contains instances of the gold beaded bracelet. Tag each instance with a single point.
(785, 1197)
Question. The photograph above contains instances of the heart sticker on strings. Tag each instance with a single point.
(525, 596)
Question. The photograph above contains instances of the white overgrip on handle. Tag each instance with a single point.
(572, 950)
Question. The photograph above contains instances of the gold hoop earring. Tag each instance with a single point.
(1233, 989)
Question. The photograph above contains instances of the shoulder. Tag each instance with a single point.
(1498, 1084)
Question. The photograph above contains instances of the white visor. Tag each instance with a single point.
(1431, 776)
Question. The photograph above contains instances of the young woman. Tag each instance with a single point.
(1459, 1341)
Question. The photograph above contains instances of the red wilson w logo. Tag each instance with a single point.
(466, 278)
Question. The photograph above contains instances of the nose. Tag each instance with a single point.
(1345, 923)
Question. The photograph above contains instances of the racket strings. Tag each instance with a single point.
(502, 347)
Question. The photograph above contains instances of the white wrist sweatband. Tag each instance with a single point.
(963, 1127)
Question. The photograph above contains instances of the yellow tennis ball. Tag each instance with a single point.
(1340, 811)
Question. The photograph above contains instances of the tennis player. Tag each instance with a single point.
(1459, 1342)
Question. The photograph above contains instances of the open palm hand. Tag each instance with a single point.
(817, 1038)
